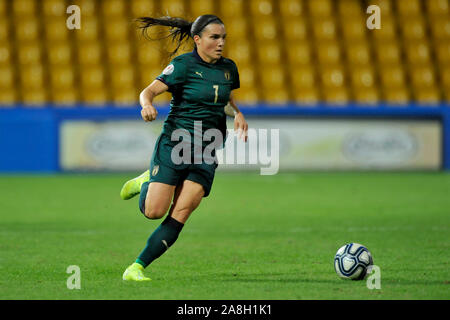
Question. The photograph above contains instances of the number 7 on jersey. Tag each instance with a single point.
(216, 88)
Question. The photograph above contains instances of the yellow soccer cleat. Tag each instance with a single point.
(135, 273)
(133, 187)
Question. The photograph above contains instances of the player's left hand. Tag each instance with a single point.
(241, 126)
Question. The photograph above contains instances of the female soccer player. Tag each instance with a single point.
(201, 83)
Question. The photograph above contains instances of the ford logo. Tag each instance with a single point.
(380, 147)
(121, 147)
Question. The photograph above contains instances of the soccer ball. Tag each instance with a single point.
(352, 261)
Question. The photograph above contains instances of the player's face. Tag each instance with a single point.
(211, 43)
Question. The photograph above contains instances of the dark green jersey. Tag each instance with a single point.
(200, 91)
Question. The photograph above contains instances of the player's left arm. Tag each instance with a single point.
(240, 124)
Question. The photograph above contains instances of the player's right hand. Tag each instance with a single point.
(149, 113)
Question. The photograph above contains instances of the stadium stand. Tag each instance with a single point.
(288, 51)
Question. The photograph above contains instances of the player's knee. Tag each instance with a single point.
(152, 212)
(182, 213)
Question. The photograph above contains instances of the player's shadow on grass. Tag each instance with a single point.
(271, 277)
(408, 282)
(291, 280)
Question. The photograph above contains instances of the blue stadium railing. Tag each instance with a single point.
(29, 136)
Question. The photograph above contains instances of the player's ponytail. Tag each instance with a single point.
(180, 30)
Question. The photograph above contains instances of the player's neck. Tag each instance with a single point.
(205, 58)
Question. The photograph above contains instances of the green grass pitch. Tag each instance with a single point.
(255, 237)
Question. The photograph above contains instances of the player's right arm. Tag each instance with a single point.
(149, 112)
(174, 74)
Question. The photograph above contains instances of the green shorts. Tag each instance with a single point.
(163, 170)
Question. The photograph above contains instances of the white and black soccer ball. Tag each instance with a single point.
(352, 261)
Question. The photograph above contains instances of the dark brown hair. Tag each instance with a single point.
(180, 29)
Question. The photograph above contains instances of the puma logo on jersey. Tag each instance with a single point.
(199, 73)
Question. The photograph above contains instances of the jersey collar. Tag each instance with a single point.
(197, 56)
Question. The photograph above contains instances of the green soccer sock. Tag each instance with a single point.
(160, 240)
(143, 195)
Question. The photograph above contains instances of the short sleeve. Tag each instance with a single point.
(174, 74)
(236, 82)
